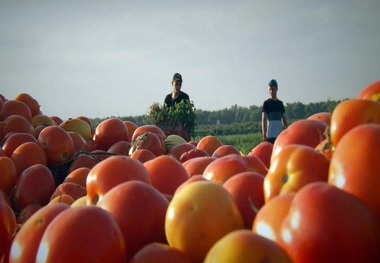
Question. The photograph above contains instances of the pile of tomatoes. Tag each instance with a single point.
(119, 192)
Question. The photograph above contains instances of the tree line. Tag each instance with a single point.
(239, 119)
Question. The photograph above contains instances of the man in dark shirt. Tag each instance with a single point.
(176, 95)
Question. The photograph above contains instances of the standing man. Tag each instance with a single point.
(273, 119)
(177, 95)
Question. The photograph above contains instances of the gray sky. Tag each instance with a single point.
(115, 58)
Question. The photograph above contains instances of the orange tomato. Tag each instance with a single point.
(120, 148)
(246, 189)
(28, 154)
(139, 209)
(209, 144)
(7, 225)
(157, 252)
(142, 155)
(16, 123)
(42, 119)
(78, 140)
(63, 198)
(91, 228)
(255, 164)
(8, 174)
(31, 102)
(69, 188)
(149, 128)
(16, 139)
(178, 150)
(198, 216)
(355, 164)
(321, 116)
(263, 151)
(292, 168)
(196, 166)
(370, 92)
(225, 150)
(359, 111)
(225, 167)
(131, 129)
(108, 132)
(166, 173)
(78, 176)
(111, 172)
(26, 241)
(14, 107)
(245, 246)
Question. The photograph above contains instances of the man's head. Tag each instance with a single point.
(177, 81)
(273, 87)
(273, 83)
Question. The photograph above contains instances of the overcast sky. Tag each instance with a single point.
(115, 58)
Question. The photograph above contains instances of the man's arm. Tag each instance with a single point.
(264, 125)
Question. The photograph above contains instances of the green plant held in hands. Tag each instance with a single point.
(181, 114)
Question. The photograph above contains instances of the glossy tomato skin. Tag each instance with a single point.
(360, 111)
(91, 228)
(355, 164)
(326, 224)
(7, 225)
(370, 92)
(294, 167)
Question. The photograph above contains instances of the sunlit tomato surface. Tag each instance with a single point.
(90, 229)
(304, 132)
(269, 218)
(321, 116)
(166, 173)
(355, 164)
(370, 92)
(198, 216)
(31, 102)
(196, 166)
(293, 168)
(111, 172)
(157, 252)
(351, 113)
(246, 189)
(139, 209)
(225, 167)
(108, 132)
(246, 246)
(263, 151)
(16, 139)
(209, 144)
(25, 243)
(327, 224)
(28, 154)
(142, 155)
(225, 150)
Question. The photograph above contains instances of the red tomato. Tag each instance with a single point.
(149, 141)
(294, 167)
(304, 132)
(326, 224)
(27, 212)
(246, 189)
(15, 140)
(142, 155)
(8, 174)
(225, 167)
(224, 150)
(180, 149)
(91, 228)
(355, 164)
(7, 225)
(108, 132)
(139, 209)
(72, 189)
(193, 153)
(35, 185)
(25, 243)
(359, 112)
(321, 116)
(370, 92)
(166, 173)
(111, 172)
(209, 144)
(255, 164)
(196, 166)
(263, 151)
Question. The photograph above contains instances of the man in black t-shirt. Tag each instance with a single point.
(176, 95)
(273, 115)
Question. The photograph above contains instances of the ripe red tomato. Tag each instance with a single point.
(90, 228)
(294, 167)
(166, 173)
(327, 224)
(149, 141)
(359, 111)
(111, 172)
(263, 151)
(196, 166)
(355, 164)
(26, 241)
(7, 225)
(139, 209)
(304, 132)
(108, 132)
(321, 116)
(370, 92)
(224, 150)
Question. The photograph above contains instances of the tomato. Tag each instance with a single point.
(196, 166)
(78, 126)
(16, 139)
(78, 141)
(91, 228)
(131, 129)
(16, 123)
(166, 173)
(263, 151)
(370, 92)
(193, 153)
(355, 164)
(157, 252)
(72, 189)
(198, 216)
(245, 246)
(120, 148)
(34, 185)
(7, 225)
(149, 141)
(321, 116)
(359, 111)
(255, 164)
(8, 174)
(142, 155)
(111, 172)
(27, 212)
(294, 167)
(268, 220)
(224, 150)
(246, 189)
(326, 224)
(15, 107)
(139, 209)
(149, 128)
(209, 144)
(78, 176)
(224, 167)
(57, 143)
(31, 102)
(28, 154)
(42, 120)
(179, 149)
(108, 132)
(304, 132)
